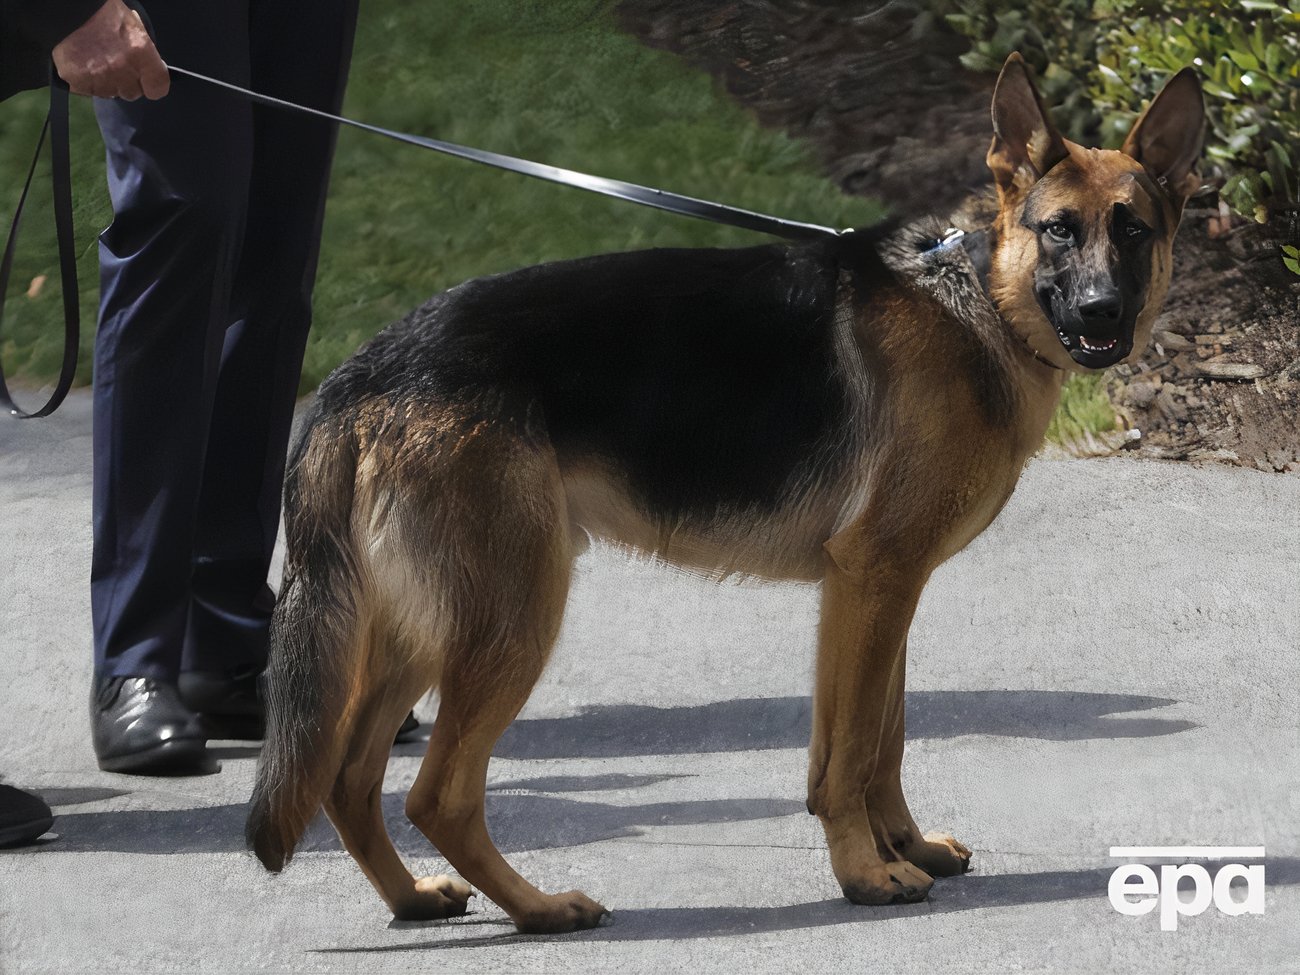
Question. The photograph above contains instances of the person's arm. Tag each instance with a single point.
(46, 22)
(100, 47)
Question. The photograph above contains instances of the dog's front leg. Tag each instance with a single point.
(868, 598)
(938, 854)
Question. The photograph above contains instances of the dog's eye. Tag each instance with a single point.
(1060, 233)
(1135, 230)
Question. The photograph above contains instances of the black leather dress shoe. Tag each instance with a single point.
(23, 816)
(139, 726)
(229, 703)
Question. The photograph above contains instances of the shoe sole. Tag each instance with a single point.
(185, 757)
(233, 727)
(252, 727)
(25, 833)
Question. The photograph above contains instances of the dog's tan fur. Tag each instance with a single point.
(460, 534)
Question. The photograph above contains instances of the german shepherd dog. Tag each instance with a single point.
(849, 413)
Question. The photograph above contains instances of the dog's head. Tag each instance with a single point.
(1084, 236)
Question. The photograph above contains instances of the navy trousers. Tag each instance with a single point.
(206, 274)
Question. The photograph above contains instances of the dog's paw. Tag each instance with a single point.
(896, 882)
(435, 898)
(452, 888)
(939, 855)
(571, 911)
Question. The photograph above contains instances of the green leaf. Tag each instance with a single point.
(1273, 58)
(1242, 137)
(1258, 43)
(1244, 192)
(1244, 60)
(1218, 91)
(976, 61)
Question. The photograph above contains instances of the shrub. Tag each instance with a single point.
(1100, 61)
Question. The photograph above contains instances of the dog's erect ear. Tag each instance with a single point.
(1167, 138)
(1025, 143)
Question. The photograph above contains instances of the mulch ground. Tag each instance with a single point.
(877, 91)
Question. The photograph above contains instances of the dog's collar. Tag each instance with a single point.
(1035, 353)
(950, 237)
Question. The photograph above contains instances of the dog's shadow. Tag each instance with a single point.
(948, 896)
(535, 815)
(746, 724)
(760, 723)
(522, 818)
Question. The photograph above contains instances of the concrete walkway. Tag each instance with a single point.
(1113, 663)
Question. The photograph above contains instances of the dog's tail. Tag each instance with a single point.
(314, 652)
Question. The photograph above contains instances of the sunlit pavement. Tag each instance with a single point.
(1115, 662)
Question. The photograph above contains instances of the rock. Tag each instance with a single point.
(1218, 369)
(1171, 341)
(1169, 407)
(1140, 395)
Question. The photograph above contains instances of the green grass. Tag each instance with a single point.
(1084, 409)
(548, 81)
(545, 81)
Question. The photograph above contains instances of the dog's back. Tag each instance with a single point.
(679, 389)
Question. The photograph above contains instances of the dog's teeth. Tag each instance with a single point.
(1100, 347)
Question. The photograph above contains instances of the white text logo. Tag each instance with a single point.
(1136, 888)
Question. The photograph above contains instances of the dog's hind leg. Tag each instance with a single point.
(447, 802)
(868, 598)
(354, 807)
(513, 557)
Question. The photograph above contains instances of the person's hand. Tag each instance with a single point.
(112, 56)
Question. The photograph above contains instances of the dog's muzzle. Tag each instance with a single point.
(1095, 331)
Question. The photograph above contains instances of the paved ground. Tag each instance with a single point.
(1113, 662)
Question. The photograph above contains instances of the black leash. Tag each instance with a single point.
(56, 128)
(617, 188)
(56, 125)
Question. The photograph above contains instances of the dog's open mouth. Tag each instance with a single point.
(1094, 351)
(1101, 346)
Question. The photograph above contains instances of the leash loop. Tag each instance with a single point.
(56, 128)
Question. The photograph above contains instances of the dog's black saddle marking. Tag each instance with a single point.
(706, 377)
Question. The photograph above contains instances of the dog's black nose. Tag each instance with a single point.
(1101, 309)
